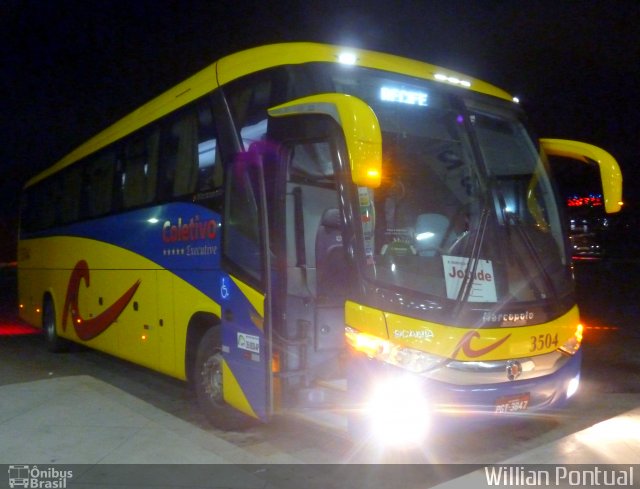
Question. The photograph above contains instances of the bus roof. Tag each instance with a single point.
(253, 60)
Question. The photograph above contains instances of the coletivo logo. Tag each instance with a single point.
(90, 328)
(465, 345)
(192, 230)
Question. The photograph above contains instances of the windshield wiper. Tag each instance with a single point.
(514, 221)
(472, 264)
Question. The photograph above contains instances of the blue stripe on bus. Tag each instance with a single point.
(181, 237)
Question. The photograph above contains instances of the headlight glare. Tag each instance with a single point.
(399, 412)
(407, 358)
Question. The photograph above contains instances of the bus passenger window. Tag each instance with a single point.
(190, 160)
(140, 169)
(52, 192)
(179, 164)
(38, 211)
(70, 198)
(209, 164)
(98, 187)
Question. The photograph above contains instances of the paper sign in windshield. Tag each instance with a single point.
(483, 285)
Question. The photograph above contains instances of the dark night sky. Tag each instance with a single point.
(70, 68)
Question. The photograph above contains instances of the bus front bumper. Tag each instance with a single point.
(392, 404)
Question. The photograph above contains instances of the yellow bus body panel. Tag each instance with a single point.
(264, 57)
(151, 330)
(466, 344)
(233, 393)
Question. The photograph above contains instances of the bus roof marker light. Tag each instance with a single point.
(453, 80)
(347, 58)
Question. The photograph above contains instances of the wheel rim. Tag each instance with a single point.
(211, 378)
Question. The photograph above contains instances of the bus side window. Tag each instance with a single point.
(242, 235)
(209, 165)
(139, 170)
(250, 97)
(181, 158)
(70, 198)
(51, 194)
(98, 187)
(249, 103)
(38, 211)
(189, 156)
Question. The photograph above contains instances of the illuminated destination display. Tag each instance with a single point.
(402, 96)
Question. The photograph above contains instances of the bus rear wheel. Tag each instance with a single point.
(53, 342)
(208, 384)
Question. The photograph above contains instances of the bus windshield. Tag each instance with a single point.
(466, 212)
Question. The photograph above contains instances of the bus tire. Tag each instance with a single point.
(207, 381)
(53, 342)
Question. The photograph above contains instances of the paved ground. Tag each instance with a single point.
(113, 429)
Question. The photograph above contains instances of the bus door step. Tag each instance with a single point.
(324, 393)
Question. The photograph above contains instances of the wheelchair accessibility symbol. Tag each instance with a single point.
(224, 289)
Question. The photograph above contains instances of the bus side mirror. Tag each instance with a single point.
(610, 174)
(359, 125)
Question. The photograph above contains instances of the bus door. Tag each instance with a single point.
(279, 194)
(245, 291)
(312, 275)
(288, 275)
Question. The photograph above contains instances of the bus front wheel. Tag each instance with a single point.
(208, 383)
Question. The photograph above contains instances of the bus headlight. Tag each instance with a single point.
(407, 358)
(573, 344)
(399, 412)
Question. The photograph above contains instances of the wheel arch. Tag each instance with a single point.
(199, 324)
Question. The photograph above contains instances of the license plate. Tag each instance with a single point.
(512, 404)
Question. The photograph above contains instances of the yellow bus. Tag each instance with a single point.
(310, 228)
